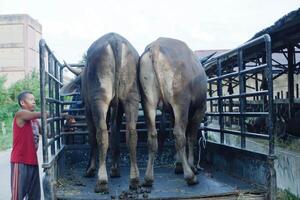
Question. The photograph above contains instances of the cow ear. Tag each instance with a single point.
(70, 88)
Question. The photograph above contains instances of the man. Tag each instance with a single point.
(25, 181)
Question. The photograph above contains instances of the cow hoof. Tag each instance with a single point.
(192, 181)
(114, 172)
(134, 184)
(195, 170)
(101, 187)
(178, 168)
(90, 173)
(147, 182)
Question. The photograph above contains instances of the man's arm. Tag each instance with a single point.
(24, 115)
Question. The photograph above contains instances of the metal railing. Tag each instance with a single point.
(234, 66)
(51, 80)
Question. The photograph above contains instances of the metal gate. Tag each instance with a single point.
(234, 70)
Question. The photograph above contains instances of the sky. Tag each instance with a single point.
(70, 27)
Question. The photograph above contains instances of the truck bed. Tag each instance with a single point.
(167, 185)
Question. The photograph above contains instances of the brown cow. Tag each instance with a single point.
(172, 78)
(109, 81)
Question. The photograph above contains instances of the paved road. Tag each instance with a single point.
(5, 173)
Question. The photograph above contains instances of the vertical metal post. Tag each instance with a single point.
(57, 104)
(242, 98)
(210, 95)
(220, 101)
(61, 100)
(272, 185)
(256, 86)
(50, 84)
(230, 91)
(264, 85)
(269, 76)
(43, 101)
(291, 69)
(297, 90)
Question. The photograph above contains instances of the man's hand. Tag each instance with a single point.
(66, 116)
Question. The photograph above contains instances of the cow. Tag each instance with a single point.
(172, 79)
(109, 82)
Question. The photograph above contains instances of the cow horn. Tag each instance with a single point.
(72, 69)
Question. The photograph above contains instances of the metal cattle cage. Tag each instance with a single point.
(229, 172)
(234, 70)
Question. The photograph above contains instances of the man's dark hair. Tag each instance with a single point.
(22, 96)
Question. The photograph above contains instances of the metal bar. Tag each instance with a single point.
(51, 142)
(54, 78)
(238, 133)
(73, 109)
(265, 64)
(242, 90)
(248, 114)
(52, 119)
(233, 74)
(210, 95)
(268, 73)
(282, 66)
(43, 101)
(50, 53)
(256, 85)
(50, 95)
(49, 164)
(53, 100)
(297, 90)
(237, 84)
(232, 53)
(57, 104)
(276, 76)
(232, 96)
(220, 102)
(61, 98)
(284, 54)
(291, 69)
(75, 133)
(254, 69)
(70, 102)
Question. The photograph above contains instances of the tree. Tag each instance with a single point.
(31, 82)
(5, 100)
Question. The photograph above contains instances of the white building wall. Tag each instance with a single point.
(19, 46)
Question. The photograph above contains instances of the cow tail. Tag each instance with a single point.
(154, 51)
(117, 50)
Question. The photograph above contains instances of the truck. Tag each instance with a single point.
(225, 171)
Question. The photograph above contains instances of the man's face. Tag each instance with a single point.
(28, 103)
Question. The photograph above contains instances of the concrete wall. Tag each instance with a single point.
(19, 46)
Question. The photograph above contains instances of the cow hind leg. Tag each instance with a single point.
(192, 131)
(91, 168)
(99, 114)
(178, 165)
(131, 109)
(150, 113)
(181, 120)
(115, 141)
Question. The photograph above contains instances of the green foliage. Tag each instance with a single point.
(6, 134)
(31, 83)
(5, 101)
(9, 103)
